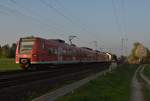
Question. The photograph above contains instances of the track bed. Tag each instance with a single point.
(18, 87)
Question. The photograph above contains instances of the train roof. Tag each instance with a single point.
(63, 42)
(73, 45)
(57, 40)
(87, 48)
(97, 51)
(33, 37)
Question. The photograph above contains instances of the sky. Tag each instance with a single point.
(104, 21)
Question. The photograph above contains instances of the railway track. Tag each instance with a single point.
(27, 82)
(12, 80)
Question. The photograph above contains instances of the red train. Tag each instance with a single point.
(38, 51)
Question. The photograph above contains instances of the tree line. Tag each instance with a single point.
(139, 54)
(8, 51)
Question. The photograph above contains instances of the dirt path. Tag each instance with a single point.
(136, 92)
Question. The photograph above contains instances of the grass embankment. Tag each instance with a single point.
(8, 64)
(146, 71)
(145, 86)
(114, 86)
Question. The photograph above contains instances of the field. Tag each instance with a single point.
(147, 71)
(145, 86)
(8, 65)
(114, 86)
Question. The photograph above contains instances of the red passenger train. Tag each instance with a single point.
(38, 51)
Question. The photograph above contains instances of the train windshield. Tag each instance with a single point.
(26, 45)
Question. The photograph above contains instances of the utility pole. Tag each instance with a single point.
(96, 44)
(71, 37)
(126, 46)
(122, 46)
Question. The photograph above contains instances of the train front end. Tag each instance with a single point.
(25, 51)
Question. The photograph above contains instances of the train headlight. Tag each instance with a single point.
(34, 55)
(24, 61)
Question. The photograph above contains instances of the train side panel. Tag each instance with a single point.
(34, 50)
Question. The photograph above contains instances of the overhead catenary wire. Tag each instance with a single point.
(121, 25)
(18, 12)
(124, 26)
(50, 6)
(124, 17)
(124, 20)
(117, 20)
(69, 19)
(75, 18)
(35, 13)
(55, 29)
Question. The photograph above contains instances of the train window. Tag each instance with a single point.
(64, 52)
(74, 53)
(79, 53)
(26, 46)
(68, 52)
(53, 51)
(49, 51)
(43, 44)
(71, 53)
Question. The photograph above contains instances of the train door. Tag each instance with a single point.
(59, 54)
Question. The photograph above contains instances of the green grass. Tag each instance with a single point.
(145, 86)
(112, 87)
(8, 64)
(146, 71)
